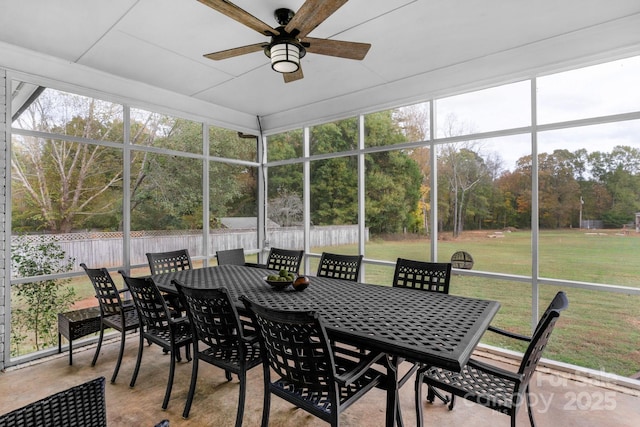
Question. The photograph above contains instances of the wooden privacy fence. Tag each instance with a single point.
(105, 249)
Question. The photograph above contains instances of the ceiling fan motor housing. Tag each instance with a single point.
(283, 15)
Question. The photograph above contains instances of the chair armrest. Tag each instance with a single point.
(250, 339)
(494, 370)
(509, 334)
(358, 368)
(128, 305)
(179, 321)
(345, 351)
(256, 265)
(248, 328)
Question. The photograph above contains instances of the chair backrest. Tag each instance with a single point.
(106, 291)
(81, 405)
(540, 338)
(345, 267)
(167, 262)
(284, 259)
(213, 317)
(151, 306)
(295, 345)
(231, 257)
(428, 276)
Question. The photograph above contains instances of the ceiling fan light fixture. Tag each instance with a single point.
(289, 42)
(285, 56)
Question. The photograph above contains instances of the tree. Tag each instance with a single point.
(166, 191)
(393, 182)
(619, 173)
(513, 204)
(392, 178)
(463, 169)
(414, 121)
(286, 210)
(558, 189)
(334, 182)
(60, 184)
(289, 177)
(233, 187)
(334, 191)
(39, 302)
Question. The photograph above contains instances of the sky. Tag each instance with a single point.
(600, 90)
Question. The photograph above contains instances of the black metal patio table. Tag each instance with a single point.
(435, 329)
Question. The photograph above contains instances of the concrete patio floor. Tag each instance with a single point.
(559, 400)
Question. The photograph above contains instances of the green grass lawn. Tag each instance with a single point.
(601, 330)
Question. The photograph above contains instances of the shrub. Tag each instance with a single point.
(34, 313)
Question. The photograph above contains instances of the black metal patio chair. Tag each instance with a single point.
(428, 276)
(114, 312)
(218, 339)
(157, 326)
(168, 262)
(310, 375)
(81, 405)
(282, 259)
(230, 257)
(335, 266)
(424, 276)
(496, 388)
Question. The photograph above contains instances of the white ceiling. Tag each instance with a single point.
(420, 49)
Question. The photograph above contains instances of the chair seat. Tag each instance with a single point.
(319, 397)
(131, 321)
(228, 358)
(475, 384)
(162, 337)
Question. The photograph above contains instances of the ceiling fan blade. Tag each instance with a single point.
(236, 51)
(242, 16)
(292, 77)
(311, 14)
(341, 49)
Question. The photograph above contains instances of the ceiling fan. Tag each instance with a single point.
(289, 41)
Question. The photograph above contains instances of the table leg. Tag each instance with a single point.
(392, 392)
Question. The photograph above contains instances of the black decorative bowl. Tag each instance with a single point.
(277, 284)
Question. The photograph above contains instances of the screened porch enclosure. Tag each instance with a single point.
(395, 183)
(507, 131)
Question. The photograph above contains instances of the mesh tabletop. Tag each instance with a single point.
(429, 327)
